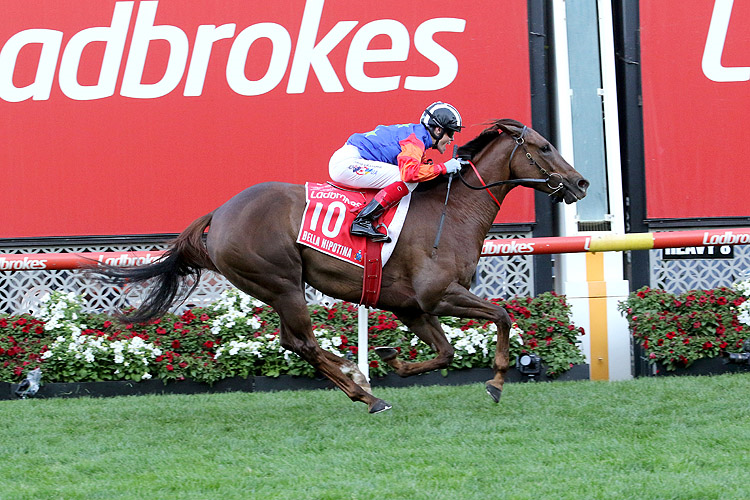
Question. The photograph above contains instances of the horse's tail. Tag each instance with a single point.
(185, 257)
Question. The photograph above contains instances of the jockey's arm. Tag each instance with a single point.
(410, 163)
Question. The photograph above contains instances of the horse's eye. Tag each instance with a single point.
(545, 148)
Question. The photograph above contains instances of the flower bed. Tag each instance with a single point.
(238, 337)
(676, 330)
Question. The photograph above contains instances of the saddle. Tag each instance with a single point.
(329, 212)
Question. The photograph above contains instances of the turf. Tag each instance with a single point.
(666, 438)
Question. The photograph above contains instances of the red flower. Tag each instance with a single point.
(183, 364)
(107, 324)
(209, 344)
(374, 363)
(170, 368)
(175, 344)
(204, 317)
(671, 335)
(707, 345)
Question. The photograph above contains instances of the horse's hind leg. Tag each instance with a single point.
(429, 330)
(351, 370)
(297, 336)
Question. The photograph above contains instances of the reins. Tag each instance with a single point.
(520, 142)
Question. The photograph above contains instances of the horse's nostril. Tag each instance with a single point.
(583, 184)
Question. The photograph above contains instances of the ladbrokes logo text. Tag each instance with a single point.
(302, 58)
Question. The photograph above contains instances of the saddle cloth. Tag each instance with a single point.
(329, 213)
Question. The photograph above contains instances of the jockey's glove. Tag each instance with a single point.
(452, 166)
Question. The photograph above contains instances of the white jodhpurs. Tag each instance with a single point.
(349, 168)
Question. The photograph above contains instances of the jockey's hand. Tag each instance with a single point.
(452, 166)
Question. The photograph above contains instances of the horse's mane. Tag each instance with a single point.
(477, 144)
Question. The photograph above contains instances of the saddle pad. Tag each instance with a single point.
(329, 213)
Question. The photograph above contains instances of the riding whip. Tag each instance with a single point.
(445, 206)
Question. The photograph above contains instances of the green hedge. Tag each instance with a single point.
(675, 330)
(238, 336)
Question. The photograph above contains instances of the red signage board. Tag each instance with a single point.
(695, 67)
(135, 117)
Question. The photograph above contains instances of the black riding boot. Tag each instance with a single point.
(363, 225)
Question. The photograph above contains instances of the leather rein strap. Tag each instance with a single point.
(520, 142)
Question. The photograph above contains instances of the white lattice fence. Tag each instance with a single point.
(679, 276)
(21, 291)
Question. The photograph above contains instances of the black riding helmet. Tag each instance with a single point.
(443, 115)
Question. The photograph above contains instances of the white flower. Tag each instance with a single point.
(515, 333)
(146, 376)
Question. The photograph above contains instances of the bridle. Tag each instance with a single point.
(520, 142)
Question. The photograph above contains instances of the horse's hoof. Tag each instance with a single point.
(386, 353)
(494, 392)
(379, 406)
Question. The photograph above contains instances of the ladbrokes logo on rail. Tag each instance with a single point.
(192, 62)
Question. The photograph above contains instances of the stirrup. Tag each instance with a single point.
(370, 231)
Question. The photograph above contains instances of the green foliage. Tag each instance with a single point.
(677, 329)
(239, 336)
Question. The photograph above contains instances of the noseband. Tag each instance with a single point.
(520, 142)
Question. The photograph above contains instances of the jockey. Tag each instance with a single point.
(391, 158)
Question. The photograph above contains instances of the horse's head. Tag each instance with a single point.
(533, 157)
(521, 156)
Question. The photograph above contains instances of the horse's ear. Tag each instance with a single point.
(512, 127)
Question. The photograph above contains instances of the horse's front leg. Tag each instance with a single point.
(459, 302)
(429, 331)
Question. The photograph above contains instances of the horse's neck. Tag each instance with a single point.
(478, 206)
(484, 205)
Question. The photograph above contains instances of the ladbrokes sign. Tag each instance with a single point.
(135, 117)
(695, 71)
(311, 52)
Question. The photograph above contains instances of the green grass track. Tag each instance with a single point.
(664, 438)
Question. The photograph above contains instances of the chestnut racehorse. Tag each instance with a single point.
(252, 241)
